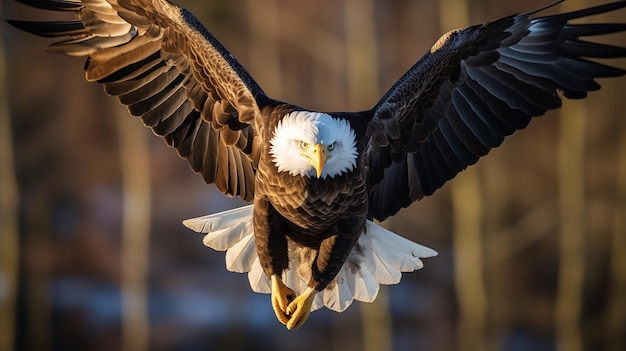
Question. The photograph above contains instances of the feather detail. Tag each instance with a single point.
(341, 295)
(240, 257)
(258, 280)
(380, 257)
(225, 230)
(366, 288)
(220, 220)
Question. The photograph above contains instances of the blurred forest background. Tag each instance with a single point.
(93, 255)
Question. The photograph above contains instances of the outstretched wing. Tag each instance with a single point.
(475, 87)
(159, 60)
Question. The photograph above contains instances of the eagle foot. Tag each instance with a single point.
(282, 295)
(299, 309)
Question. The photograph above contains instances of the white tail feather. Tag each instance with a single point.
(241, 256)
(224, 229)
(341, 295)
(366, 288)
(258, 280)
(220, 220)
(382, 271)
(381, 258)
(223, 239)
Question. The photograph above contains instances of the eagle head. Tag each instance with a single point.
(312, 144)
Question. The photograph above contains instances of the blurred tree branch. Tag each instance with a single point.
(135, 168)
(571, 180)
(361, 52)
(572, 226)
(537, 224)
(264, 44)
(616, 302)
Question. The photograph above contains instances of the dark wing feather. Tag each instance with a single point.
(172, 73)
(475, 87)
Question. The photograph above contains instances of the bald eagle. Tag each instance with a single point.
(318, 179)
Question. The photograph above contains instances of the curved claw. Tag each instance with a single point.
(300, 308)
(281, 297)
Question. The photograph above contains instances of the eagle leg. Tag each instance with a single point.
(282, 295)
(300, 308)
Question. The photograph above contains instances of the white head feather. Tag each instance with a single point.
(313, 128)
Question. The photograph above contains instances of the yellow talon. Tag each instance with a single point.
(281, 296)
(299, 309)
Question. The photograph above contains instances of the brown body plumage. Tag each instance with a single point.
(324, 214)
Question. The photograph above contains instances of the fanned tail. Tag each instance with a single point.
(379, 257)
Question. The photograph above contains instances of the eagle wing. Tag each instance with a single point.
(167, 68)
(475, 87)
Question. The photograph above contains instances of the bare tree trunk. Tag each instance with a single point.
(468, 208)
(134, 157)
(572, 230)
(264, 44)
(616, 306)
(9, 234)
(497, 243)
(468, 261)
(571, 173)
(361, 52)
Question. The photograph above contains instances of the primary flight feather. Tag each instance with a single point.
(318, 179)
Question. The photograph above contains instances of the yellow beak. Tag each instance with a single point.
(318, 156)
